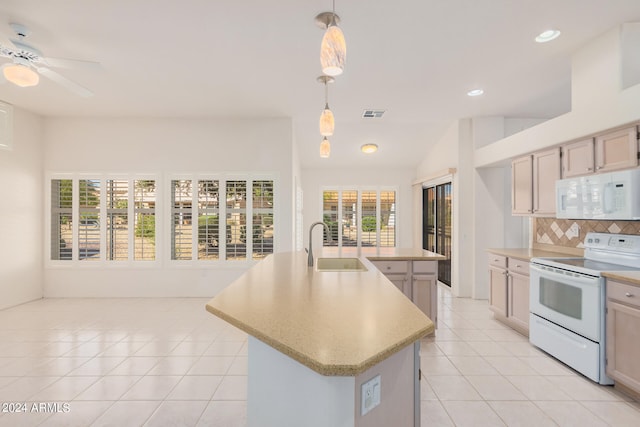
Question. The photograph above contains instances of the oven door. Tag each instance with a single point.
(568, 299)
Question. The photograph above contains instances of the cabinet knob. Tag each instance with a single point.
(628, 295)
(598, 167)
(589, 169)
(517, 265)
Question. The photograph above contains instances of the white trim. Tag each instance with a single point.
(6, 126)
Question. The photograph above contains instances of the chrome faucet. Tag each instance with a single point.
(326, 227)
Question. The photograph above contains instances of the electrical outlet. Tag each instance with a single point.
(370, 393)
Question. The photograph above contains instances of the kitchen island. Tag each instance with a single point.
(317, 336)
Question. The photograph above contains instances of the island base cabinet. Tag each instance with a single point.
(425, 295)
(623, 335)
(282, 392)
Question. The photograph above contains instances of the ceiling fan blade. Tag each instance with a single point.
(70, 63)
(63, 81)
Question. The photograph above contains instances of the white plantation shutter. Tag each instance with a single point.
(61, 219)
(360, 217)
(117, 240)
(89, 220)
(144, 210)
(181, 219)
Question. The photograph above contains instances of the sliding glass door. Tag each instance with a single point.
(436, 226)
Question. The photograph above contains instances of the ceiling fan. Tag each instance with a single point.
(28, 63)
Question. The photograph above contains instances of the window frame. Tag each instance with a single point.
(102, 261)
(359, 213)
(222, 179)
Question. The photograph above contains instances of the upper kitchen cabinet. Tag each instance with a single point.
(546, 171)
(577, 158)
(533, 183)
(607, 152)
(522, 186)
(617, 150)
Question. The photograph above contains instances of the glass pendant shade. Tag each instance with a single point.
(327, 122)
(21, 75)
(325, 148)
(333, 51)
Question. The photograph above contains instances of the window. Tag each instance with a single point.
(247, 210)
(61, 217)
(117, 216)
(90, 220)
(144, 210)
(360, 217)
(208, 219)
(114, 220)
(262, 205)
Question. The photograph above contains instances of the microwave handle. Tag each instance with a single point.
(608, 198)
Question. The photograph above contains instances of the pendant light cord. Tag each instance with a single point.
(326, 95)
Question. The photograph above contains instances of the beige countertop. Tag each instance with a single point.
(528, 253)
(382, 254)
(336, 323)
(632, 277)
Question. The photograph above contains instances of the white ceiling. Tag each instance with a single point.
(416, 59)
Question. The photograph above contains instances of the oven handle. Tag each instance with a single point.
(576, 278)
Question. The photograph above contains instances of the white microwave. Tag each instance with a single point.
(613, 195)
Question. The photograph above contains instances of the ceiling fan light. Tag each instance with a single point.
(333, 51)
(327, 122)
(325, 148)
(21, 75)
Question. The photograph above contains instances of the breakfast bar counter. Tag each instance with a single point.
(326, 347)
(336, 323)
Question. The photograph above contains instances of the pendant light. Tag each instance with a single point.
(333, 50)
(327, 122)
(325, 148)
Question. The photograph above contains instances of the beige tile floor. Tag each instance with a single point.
(167, 362)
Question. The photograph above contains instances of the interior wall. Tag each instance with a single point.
(164, 147)
(21, 227)
(314, 180)
(599, 102)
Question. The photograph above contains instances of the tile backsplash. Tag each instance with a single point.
(570, 233)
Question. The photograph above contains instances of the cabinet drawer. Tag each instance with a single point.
(497, 260)
(425, 266)
(519, 266)
(392, 266)
(622, 292)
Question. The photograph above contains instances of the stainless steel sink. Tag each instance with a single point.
(340, 264)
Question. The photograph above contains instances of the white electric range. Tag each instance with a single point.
(567, 301)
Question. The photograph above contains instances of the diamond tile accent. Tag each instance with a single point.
(613, 228)
(554, 231)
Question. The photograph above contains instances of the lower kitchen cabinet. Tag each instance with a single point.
(509, 291)
(623, 334)
(418, 280)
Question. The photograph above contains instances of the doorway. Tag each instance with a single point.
(436, 226)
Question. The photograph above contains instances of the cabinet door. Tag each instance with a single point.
(522, 186)
(577, 158)
(518, 291)
(401, 282)
(617, 150)
(425, 291)
(546, 171)
(498, 290)
(623, 344)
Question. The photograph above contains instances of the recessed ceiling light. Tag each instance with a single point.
(547, 36)
(475, 92)
(369, 148)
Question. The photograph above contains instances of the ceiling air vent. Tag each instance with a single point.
(372, 114)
